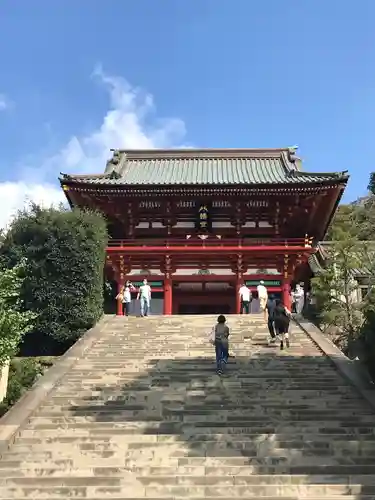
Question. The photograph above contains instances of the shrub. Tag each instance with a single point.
(22, 375)
(14, 323)
(65, 255)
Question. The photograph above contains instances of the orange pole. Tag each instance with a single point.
(167, 297)
(238, 298)
(119, 301)
(286, 293)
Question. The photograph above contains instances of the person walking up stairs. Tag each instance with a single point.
(263, 297)
(282, 323)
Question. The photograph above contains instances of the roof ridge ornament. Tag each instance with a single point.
(66, 177)
(116, 157)
(294, 160)
(115, 164)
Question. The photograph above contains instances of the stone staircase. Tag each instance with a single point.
(143, 415)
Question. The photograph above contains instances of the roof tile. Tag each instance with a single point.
(205, 167)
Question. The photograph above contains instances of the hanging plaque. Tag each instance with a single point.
(204, 223)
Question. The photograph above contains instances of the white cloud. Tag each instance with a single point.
(4, 102)
(16, 195)
(129, 123)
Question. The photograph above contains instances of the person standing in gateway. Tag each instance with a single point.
(144, 295)
(127, 297)
(245, 295)
(263, 297)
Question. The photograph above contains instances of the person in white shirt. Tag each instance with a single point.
(127, 298)
(144, 295)
(245, 295)
(263, 297)
(298, 299)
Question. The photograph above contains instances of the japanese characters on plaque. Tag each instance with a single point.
(204, 223)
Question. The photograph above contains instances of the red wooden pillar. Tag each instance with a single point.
(119, 311)
(167, 296)
(238, 298)
(286, 293)
(285, 284)
(167, 269)
(239, 280)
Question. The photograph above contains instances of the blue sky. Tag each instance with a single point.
(81, 76)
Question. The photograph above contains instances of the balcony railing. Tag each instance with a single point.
(211, 241)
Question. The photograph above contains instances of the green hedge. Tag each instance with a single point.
(65, 256)
(23, 372)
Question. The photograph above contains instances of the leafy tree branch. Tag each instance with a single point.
(14, 323)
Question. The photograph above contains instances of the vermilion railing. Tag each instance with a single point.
(211, 241)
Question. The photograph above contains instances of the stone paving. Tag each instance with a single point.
(144, 415)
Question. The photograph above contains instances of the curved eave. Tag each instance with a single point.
(337, 202)
(80, 184)
(340, 176)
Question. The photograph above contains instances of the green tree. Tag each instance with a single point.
(367, 339)
(367, 335)
(65, 253)
(344, 223)
(352, 233)
(14, 323)
(371, 184)
(335, 291)
(354, 220)
(365, 220)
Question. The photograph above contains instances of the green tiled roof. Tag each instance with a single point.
(206, 167)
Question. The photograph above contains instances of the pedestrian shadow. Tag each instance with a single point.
(274, 419)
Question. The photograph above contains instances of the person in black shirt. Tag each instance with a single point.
(271, 307)
(281, 321)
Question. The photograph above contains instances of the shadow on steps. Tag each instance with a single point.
(273, 425)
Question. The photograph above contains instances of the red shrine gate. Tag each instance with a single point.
(199, 223)
(211, 255)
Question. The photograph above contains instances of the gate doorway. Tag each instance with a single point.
(204, 308)
(204, 298)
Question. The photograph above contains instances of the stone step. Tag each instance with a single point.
(56, 413)
(116, 488)
(254, 384)
(184, 371)
(165, 428)
(118, 455)
(193, 402)
(111, 393)
(321, 448)
(173, 476)
(184, 367)
(122, 497)
(124, 386)
(169, 455)
(211, 466)
(242, 427)
(298, 441)
(248, 474)
(196, 390)
(204, 407)
(106, 420)
(112, 476)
